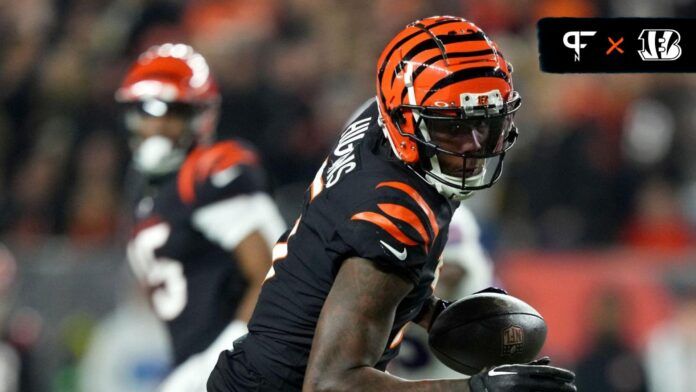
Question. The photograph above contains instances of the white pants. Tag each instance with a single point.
(192, 374)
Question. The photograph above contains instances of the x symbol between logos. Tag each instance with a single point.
(614, 45)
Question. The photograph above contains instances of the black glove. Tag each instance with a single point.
(496, 290)
(535, 376)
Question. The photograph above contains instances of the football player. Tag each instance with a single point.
(205, 223)
(361, 260)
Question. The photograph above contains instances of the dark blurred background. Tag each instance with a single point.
(593, 221)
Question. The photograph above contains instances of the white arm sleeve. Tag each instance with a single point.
(464, 248)
(228, 222)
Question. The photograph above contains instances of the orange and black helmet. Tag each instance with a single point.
(444, 72)
(176, 78)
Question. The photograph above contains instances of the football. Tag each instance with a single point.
(487, 329)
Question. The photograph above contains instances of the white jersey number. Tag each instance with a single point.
(164, 276)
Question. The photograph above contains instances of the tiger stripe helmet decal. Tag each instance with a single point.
(431, 70)
(442, 52)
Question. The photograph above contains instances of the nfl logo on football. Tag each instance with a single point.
(513, 340)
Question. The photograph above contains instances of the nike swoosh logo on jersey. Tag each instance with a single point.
(399, 255)
(494, 373)
(221, 179)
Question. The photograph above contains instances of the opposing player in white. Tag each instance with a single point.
(466, 268)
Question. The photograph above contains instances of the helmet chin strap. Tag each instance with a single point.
(434, 175)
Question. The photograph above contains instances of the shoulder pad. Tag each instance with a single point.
(398, 210)
(204, 162)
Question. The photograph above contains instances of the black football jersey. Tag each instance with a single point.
(187, 226)
(363, 202)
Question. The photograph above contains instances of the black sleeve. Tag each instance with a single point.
(230, 182)
(390, 230)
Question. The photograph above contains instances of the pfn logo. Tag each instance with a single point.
(575, 44)
(659, 45)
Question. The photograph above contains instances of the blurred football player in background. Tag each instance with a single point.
(466, 268)
(205, 224)
(128, 349)
(361, 260)
(670, 356)
(609, 364)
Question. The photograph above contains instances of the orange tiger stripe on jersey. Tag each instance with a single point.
(417, 198)
(280, 250)
(187, 176)
(205, 161)
(385, 224)
(318, 183)
(398, 338)
(222, 156)
(404, 214)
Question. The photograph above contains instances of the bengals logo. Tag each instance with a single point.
(513, 340)
(660, 45)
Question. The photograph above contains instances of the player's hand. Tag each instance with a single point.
(438, 307)
(496, 290)
(535, 376)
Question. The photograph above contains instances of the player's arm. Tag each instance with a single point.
(254, 258)
(244, 221)
(353, 330)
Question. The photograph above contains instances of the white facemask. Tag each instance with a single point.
(157, 155)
